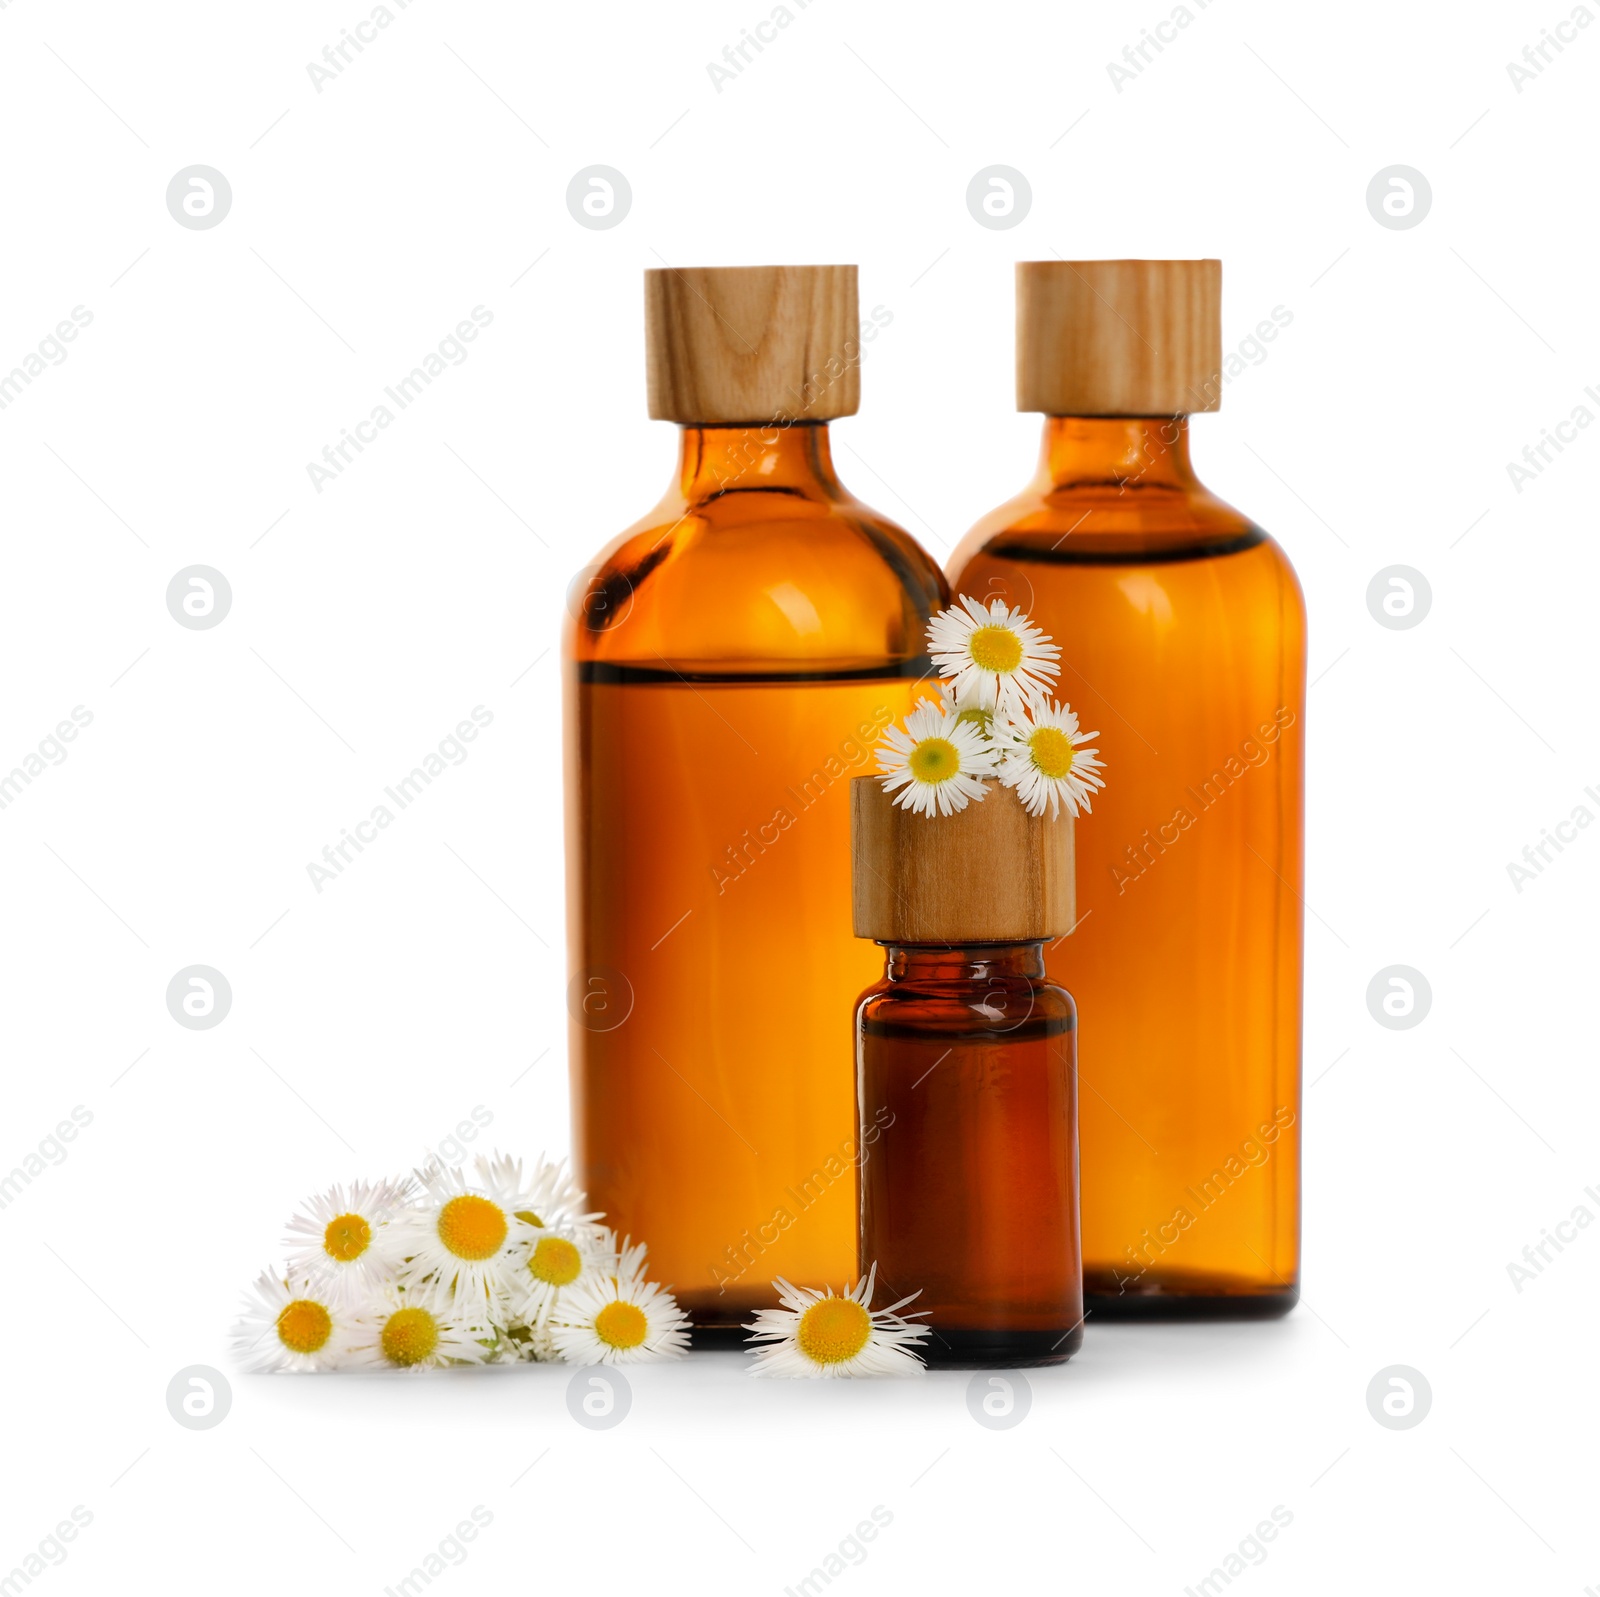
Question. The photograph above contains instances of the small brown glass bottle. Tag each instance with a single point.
(966, 1076)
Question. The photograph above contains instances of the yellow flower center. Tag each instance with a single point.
(1051, 749)
(471, 1227)
(409, 1336)
(555, 1261)
(934, 760)
(530, 1217)
(982, 719)
(347, 1237)
(621, 1325)
(304, 1326)
(834, 1330)
(996, 649)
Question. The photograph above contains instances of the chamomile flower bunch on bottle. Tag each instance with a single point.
(994, 719)
(499, 1264)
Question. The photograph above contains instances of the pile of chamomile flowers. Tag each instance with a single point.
(434, 1270)
(994, 719)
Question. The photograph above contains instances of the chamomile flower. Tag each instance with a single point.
(335, 1236)
(545, 1197)
(293, 1324)
(818, 1334)
(1044, 762)
(967, 707)
(397, 1331)
(549, 1264)
(937, 761)
(455, 1245)
(615, 1316)
(993, 652)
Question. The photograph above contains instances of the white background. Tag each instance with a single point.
(368, 219)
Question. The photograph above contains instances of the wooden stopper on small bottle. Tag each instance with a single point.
(990, 874)
(1119, 338)
(752, 345)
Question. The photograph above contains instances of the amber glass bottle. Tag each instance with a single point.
(966, 1078)
(1183, 642)
(730, 664)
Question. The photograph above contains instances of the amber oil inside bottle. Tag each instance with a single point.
(1183, 634)
(732, 663)
(966, 1086)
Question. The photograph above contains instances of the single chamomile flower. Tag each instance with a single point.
(297, 1327)
(396, 1331)
(546, 1197)
(992, 652)
(818, 1334)
(615, 1316)
(454, 1246)
(938, 761)
(967, 707)
(334, 1238)
(549, 1264)
(1044, 762)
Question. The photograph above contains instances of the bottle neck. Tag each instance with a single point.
(1123, 452)
(795, 457)
(925, 963)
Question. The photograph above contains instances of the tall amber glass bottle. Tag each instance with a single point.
(730, 665)
(1183, 643)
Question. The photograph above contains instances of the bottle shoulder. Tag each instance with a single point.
(757, 575)
(1109, 523)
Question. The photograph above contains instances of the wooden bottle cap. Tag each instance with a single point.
(752, 345)
(1119, 338)
(990, 874)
